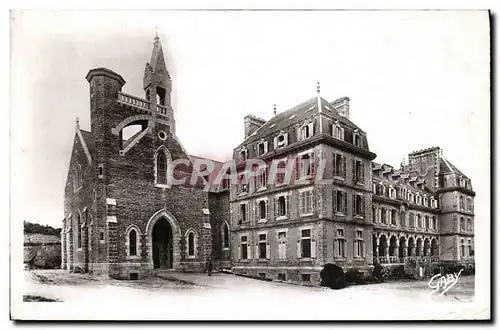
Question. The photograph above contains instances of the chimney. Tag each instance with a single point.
(252, 123)
(342, 106)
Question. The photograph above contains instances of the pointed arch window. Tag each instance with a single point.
(191, 242)
(225, 235)
(132, 248)
(162, 164)
(133, 239)
(79, 229)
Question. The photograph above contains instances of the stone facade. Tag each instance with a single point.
(333, 204)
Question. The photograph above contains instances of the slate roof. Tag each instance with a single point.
(446, 167)
(295, 115)
(89, 141)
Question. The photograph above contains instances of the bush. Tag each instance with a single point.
(333, 276)
(355, 277)
(400, 273)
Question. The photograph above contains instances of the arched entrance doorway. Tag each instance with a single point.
(163, 236)
(163, 252)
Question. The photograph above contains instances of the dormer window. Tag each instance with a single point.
(338, 131)
(243, 154)
(357, 140)
(281, 140)
(425, 201)
(306, 131)
(262, 148)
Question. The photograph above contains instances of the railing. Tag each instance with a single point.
(161, 109)
(133, 101)
(402, 260)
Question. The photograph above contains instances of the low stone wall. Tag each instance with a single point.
(42, 255)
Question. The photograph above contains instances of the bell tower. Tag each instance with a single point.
(158, 86)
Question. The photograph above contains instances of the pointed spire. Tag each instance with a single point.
(275, 109)
(157, 61)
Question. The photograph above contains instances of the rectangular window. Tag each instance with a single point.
(360, 244)
(338, 165)
(263, 275)
(306, 277)
(261, 210)
(412, 220)
(402, 222)
(358, 171)
(306, 243)
(462, 203)
(339, 201)
(261, 179)
(469, 204)
(262, 246)
(243, 213)
(282, 243)
(280, 176)
(262, 148)
(340, 246)
(383, 213)
(306, 199)
(393, 217)
(281, 277)
(374, 214)
(305, 165)
(281, 206)
(101, 236)
(358, 206)
(338, 132)
(244, 247)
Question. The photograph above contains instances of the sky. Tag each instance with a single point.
(415, 80)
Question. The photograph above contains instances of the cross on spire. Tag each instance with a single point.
(318, 88)
(275, 109)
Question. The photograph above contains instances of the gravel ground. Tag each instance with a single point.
(180, 296)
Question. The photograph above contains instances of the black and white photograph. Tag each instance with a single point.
(246, 165)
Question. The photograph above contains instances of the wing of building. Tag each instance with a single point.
(302, 191)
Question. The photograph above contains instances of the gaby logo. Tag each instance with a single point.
(444, 283)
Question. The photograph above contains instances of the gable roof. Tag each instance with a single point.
(89, 141)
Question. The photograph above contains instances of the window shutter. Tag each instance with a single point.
(285, 139)
(342, 132)
(239, 251)
(311, 129)
(297, 167)
(299, 252)
(299, 137)
(247, 210)
(268, 250)
(267, 210)
(239, 213)
(345, 203)
(302, 202)
(362, 170)
(256, 211)
(312, 163)
(311, 203)
(249, 251)
(257, 254)
(354, 177)
(363, 205)
(276, 207)
(354, 204)
(334, 163)
(266, 146)
(343, 166)
(287, 204)
(275, 142)
(334, 199)
(313, 248)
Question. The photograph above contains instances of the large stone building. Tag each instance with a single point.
(320, 198)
